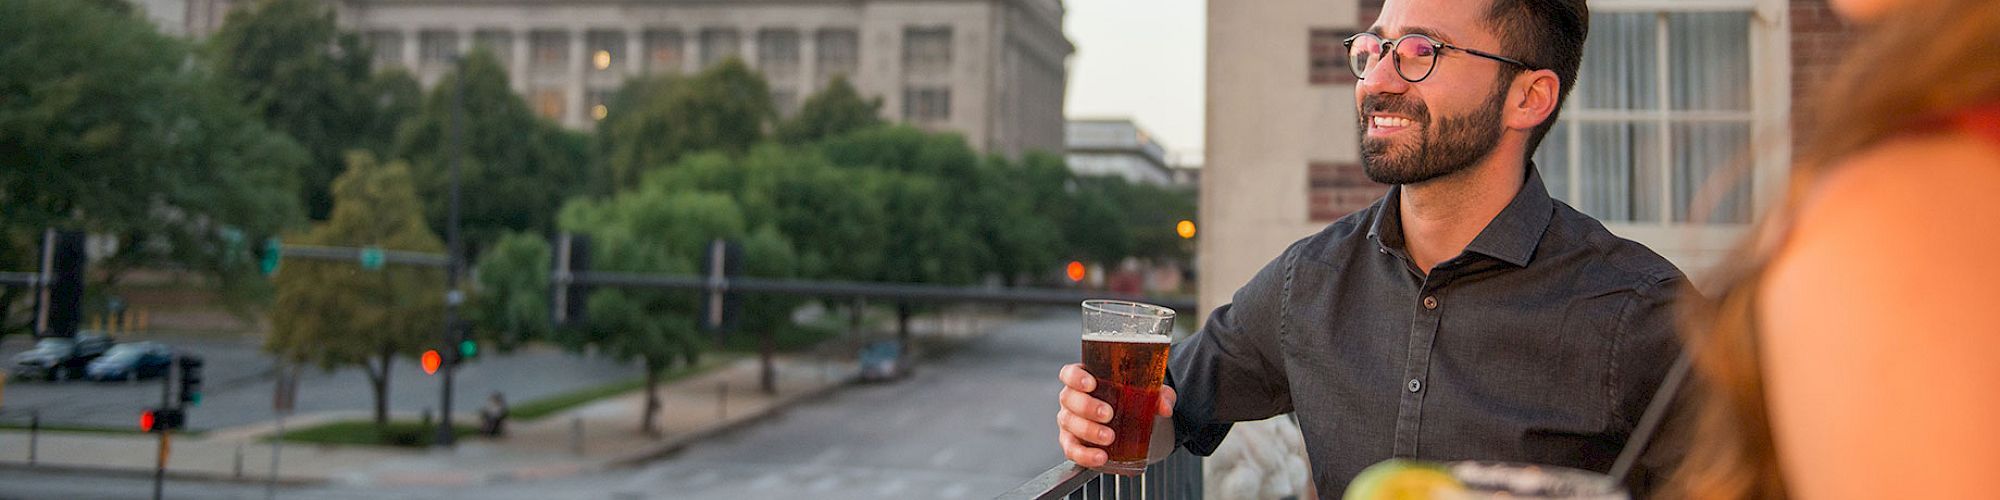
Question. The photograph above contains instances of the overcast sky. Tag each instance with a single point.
(1140, 59)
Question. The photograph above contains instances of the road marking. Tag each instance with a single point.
(945, 455)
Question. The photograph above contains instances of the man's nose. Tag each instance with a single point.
(1381, 78)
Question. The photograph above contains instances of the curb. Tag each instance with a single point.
(678, 443)
(198, 476)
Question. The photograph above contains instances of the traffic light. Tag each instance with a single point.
(269, 255)
(60, 311)
(1185, 228)
(162, 419)
(572, 255)
(431, 361)
(467, 349)
(190, 379)
(1075, 271)
(372, 258)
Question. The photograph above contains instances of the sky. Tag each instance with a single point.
(1141, 59)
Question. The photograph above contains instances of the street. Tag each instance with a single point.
(970, 424)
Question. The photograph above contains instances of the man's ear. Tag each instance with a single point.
(1532, 99)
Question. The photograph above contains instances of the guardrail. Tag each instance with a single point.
(1176, 477)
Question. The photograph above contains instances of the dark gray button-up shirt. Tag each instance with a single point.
(1542, 342)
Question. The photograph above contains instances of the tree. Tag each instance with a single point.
(1019, 212)
(104, 127)
(653, 122)
(516, 168)
(659, 231)
(510, 304)
(332, 314)
(838, 230)
(289, 63)
(834, 111)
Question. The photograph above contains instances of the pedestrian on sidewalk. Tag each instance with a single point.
(493, 418)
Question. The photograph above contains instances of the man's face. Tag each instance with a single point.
(1415, 132)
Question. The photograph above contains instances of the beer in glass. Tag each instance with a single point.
(1125, 349)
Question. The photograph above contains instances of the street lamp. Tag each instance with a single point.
(454, 256)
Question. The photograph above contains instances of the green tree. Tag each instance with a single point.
(838, 230)
(334, 314)
(839, 109)
(510, 305)
(289, 62)
(653, 122)
(516, 169)
(104, 127)
(659, 231)
(1019, 211)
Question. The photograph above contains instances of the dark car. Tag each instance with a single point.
(882, 360)
(59, 358)
(131, 361)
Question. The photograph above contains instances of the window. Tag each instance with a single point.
(838, 53)
(497, 42)
(549, 103)
(718, 44)
(607, 50)
(926, 104)
(927, 50)
(437, 48)
(388, 47)
(778, 53)
(550, 50)
(1326, 57)
(1662, 108)
(665, 51)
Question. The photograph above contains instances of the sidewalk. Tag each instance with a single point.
(592, 437)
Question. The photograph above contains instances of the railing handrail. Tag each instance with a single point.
(1054, 483)
(1176, 477)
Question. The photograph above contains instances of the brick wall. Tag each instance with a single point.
(1819, 39)
(1335, 189)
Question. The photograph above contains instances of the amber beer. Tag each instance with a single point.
(1125, 349)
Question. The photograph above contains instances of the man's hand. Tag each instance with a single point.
(1081, 419)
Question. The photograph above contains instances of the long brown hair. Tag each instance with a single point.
(1925, 62)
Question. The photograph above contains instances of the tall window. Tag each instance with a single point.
(388, 47)
(437, 48)
(926, 104)
(550, 50)
(837, 53)
(500, 43)
(778, 53)
(718, 44)
(665, 51)
(927, 50)
(607, 51)
(549, 103)
(1662, 107)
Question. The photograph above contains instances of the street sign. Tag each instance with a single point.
(372, 258)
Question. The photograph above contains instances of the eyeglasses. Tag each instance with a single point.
(1416, 55)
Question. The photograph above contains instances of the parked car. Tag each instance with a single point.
(883, 360)
(59, 358)
(131, 361)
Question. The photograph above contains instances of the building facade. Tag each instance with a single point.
(1677, 135)
(1116, 147)
(992, 70)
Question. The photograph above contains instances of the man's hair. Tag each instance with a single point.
(1545, 34)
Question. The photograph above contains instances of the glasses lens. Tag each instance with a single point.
(1362, 52)
(1415, 56)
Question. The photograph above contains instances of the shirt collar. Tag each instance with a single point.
(1511, 236)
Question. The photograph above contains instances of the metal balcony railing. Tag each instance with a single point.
(1177, 477)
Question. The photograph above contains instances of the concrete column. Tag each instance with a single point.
(635, 52)
(691, 49)
(808, 61)
(748, 54)
(517, 51)
(412, 53)
(579, 71)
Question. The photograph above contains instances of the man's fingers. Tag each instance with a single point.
(1081, 404)
(1074, 376)
(1167, 399)
(1078, 452)
(1083, 429)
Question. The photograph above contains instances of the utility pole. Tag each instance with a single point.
(454, 257)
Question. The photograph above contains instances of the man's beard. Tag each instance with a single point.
(1447, 146)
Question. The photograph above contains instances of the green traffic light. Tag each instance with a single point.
(468, 348)
(273, 252)
(194, 399)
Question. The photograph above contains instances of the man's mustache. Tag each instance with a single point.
(1395, 104)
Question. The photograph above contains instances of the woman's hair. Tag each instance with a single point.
(1908, 71)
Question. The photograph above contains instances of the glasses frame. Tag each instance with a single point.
(1388, 46)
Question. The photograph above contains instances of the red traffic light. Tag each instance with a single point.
(431, 361)
(146, 421)
(1076, 270)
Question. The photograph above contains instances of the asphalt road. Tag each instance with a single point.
(971, 424)
(240, 378)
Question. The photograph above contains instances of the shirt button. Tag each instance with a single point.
(1431, 302)
(1416, 385)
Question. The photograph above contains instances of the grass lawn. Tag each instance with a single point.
(551, 405)
(398, 433)
(90, 429)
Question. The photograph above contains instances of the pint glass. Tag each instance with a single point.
(1125, 349)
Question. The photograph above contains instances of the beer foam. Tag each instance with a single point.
(1136, 338)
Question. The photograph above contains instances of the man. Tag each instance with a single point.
(1465, 315)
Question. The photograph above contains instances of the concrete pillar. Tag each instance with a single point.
(579, 71)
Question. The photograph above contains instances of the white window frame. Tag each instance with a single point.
(1695, 245)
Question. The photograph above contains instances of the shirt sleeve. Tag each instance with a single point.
(1644, 355)
(1230, 370)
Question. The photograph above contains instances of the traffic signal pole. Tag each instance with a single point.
(166, 399)
(454, 260)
